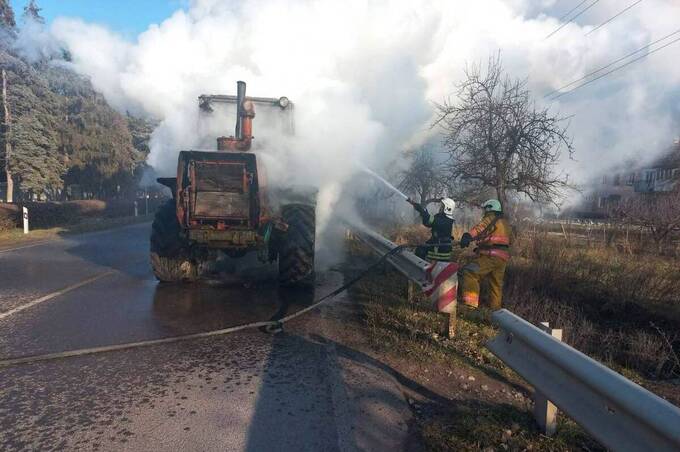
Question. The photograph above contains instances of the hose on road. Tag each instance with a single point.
(271, 324)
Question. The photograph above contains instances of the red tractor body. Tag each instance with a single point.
(220, 205)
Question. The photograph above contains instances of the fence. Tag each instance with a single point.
(626, 238)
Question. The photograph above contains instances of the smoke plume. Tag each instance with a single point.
(363, 74)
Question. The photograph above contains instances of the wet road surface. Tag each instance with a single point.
(245, 391)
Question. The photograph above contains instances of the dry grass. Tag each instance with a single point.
(621, 309)
(413, 333)
(472, 426)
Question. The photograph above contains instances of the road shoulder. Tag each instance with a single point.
(371, 408)
(16, 239)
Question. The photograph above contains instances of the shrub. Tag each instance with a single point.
(9, 216)
(53, 214)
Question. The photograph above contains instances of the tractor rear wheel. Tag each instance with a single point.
(296, 253)
(171, 259)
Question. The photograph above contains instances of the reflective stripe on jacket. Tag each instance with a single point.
(442, 228)
(436, 254)
(495, 252)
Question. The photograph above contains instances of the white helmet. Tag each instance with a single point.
(449, 205)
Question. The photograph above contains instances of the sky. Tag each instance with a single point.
(128, 17)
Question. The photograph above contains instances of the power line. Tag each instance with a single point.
(615, 69)
(612, 63)
(574, 17)
(614, 17)
(572, 10)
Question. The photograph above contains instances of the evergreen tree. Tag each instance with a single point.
(64, 133)
(141, 130)
(7, 19)
(32, 12)
(36, 163)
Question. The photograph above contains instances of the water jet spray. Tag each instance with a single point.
(365, 169)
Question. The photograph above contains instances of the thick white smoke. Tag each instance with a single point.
(363, 73)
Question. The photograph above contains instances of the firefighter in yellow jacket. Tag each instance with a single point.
(492, 235)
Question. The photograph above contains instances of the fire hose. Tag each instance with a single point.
(274, 325)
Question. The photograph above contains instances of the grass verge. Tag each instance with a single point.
(479, 403)
(620, 309)
(16, 237)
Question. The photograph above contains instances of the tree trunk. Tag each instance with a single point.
(503, 198)
(5, 139)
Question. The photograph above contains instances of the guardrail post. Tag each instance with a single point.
(451, 333)
(545, 412)
(619, 414)
(411, 292)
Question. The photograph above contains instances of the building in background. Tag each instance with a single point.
(627, 181)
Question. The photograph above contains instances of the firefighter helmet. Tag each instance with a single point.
(492, 205)
(449, 205)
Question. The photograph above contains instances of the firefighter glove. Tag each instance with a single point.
(465, 240)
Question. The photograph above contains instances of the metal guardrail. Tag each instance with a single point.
(404, 261)
(620, 414)
(415, 269)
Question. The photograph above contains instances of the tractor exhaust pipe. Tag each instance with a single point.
(240, 112)
(243, 136)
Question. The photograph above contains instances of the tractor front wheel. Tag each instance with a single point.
(170, 256)
(296, 254)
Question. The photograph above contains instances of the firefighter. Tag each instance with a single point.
(492, 235)
(438, 247)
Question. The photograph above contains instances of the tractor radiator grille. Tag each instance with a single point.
(220, 177)
(221, 191)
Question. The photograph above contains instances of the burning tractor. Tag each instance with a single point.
(221, 208)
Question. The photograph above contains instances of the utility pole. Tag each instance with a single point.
(5, 140)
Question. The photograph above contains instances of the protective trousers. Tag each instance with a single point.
(472, 274)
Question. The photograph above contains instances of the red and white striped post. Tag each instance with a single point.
(442, 290)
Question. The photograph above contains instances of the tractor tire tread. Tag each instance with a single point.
(170, 256)
(296, 257)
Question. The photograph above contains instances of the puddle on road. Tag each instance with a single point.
(121, 309)
(183, 309)
(248, 293)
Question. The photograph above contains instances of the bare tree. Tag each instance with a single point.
(498, 139)
(424, 178)
(658, 213)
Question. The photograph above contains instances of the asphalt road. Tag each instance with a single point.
(244, 391)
